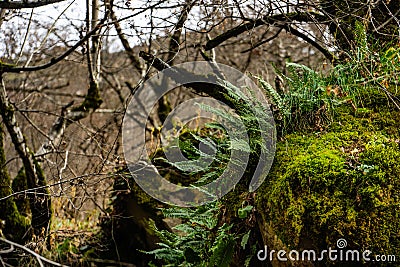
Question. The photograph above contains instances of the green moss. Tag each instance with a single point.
(343, 183)
(41, 212)
(16, 226)
(19, 184)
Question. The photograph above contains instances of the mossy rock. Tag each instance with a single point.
(342, 183)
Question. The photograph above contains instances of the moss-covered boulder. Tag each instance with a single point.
(341, 183)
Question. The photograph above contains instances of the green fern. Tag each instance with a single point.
(276, 98)
(360, 34)
(197, 241)
(306, 103)
(223, 248)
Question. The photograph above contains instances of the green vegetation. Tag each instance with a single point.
(342, 180)
(333, 91)
(335, 174)
(336, 170)
(20, 184)
(198, 240)
(307, 103)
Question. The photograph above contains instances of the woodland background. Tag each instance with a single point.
(329, 68)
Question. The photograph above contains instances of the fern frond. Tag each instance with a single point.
(223, 248)
(222, 114)
(240, 145)
(232, 90)
(276, 98)
(302, 67)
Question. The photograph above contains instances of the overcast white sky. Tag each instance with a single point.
(68, 17)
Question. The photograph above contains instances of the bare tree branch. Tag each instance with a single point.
(263, 41)
(154, 61)
(266, 20)
(13, 69)
(175, 40)
(2, 14)
(92, 100)
(125, 43)
(26, 4)
(202, 84)
(303, 36)
(38, 257)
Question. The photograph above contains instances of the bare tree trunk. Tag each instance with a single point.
(40, 202)
(15, 225)
(2, 14)
(96, 44)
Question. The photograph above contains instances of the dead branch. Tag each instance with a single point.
(125, 43)
(38, 257)
(269, 20)
(175, 40)
(26, 4)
